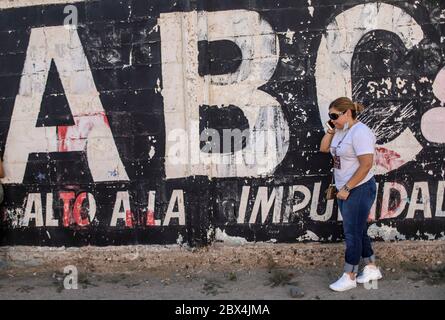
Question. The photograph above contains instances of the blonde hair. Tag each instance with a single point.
(343, 104)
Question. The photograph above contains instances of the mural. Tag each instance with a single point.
(159, 122)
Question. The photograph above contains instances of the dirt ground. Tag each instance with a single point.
(411, 270)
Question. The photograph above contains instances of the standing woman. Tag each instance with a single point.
(352, 145)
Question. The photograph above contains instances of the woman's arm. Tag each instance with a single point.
(325, 144)
(366, 161)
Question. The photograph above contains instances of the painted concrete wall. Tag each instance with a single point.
(117, 118)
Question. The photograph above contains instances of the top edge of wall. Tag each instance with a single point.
(9, 4)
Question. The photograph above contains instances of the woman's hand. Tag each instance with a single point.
(342, 194)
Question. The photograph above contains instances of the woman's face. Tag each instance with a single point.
(342, 118)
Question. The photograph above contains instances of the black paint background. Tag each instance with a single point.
(114, 28)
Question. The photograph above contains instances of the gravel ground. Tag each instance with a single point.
(411, 270)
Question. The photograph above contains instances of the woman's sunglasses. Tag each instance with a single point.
(335, 116)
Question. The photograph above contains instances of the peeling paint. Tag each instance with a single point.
(310, 8)
(220, 235)
(309, 235)
(290, 36)
(151, 153)
(387, 233)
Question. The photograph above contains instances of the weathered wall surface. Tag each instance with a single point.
(117, 118)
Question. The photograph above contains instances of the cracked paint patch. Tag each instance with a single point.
(221, 235)
(388, 233)
(309, 235)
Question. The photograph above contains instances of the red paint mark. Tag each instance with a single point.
(61, 134)
(150, 218)
(390, 213)
(73, 138)
(78, 209)
(128, 219)
(105, 119)
(66, 197)
(388, 159)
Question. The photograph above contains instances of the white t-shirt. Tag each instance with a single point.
(357, 140)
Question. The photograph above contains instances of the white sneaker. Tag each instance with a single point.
(369, 273)
(344, 283)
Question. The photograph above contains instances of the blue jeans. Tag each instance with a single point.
(355, 211)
